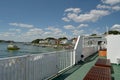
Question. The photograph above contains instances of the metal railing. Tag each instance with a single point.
(43, 66)
(35, 67)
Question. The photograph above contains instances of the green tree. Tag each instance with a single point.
(93, 34)
(36, 41)
(113, 32)
(1, 40)
(50, 38)
(63, 38)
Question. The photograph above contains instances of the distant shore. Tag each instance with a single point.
(54, 46)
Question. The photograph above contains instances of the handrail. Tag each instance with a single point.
(35, 54)
(35, 66)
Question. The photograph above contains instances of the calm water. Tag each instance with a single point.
(24, 49)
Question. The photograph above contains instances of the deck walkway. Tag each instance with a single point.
(98, 73)
(116, 72)
(79, 71)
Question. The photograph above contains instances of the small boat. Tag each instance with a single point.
(12, 47)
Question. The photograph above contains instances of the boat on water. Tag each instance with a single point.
(12, 47)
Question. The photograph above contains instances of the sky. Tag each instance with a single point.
(26, 20)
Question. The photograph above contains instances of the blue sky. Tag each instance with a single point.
(26, 20)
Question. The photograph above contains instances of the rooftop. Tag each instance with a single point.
(79, 71)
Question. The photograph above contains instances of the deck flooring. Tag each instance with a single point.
(79, 71)
(116, 72)
(103, 62)
(98, 73)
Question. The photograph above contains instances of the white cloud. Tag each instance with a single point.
(99, 6)
(47, 33)
(75, 31)
(78, 32)
(116, 27)
(7, 34)
(53, 29)
(82, 25)
(104, 9)
(74, 10)
(111, 2)
(21, 25)
(31, 34)
(53, 32)
(15, 30)
(95, 32)
(116, 8)
(69, 27)
(34, 32)
(93, 16)
(65, 19)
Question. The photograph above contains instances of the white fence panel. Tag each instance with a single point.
(65, 60)
(12, 69)
(41, 66)
(35, 67)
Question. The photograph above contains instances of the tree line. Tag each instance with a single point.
(49, 38)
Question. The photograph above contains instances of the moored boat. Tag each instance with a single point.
(12, 47)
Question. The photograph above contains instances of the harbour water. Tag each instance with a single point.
(24, 50)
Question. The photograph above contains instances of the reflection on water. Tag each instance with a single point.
(24, 49)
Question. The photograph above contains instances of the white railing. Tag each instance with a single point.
(35, 67)
(43, 66)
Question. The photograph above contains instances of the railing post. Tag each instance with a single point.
(73, 57)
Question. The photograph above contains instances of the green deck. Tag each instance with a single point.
(116, 72)
(79, 71)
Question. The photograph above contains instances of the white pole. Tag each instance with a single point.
(107, 33)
